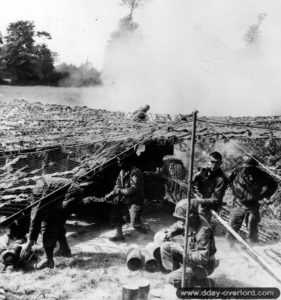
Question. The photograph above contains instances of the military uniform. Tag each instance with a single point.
(211, 186)
(201, 254)
(129, 188)
(50, 217)
(249, 184)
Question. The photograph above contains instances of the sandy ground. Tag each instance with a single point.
(98, 269)
(236, 269)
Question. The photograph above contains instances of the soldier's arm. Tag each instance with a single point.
(116, 189)
(200, 255)
(35, 223)
(197, 178)
(270, 184)
(176, 229)
(218, 193)
(34, 230)
(39, 192)
(232, 176)
(118, 183)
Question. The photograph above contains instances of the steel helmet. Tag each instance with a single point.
(181, 206)
(250, 160)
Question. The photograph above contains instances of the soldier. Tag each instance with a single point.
(129, 192)
(13, 240)
(250, 184)
(50, 218)
(201, 255)
(210, 184)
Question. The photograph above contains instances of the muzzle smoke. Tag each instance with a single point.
(219, 57)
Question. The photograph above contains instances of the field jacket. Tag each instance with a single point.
(130, 186)
(52, 215)
(251, 184)
(211, 186)
(201, 242)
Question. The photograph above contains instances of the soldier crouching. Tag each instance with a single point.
(201, 254)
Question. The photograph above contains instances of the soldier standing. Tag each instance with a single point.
(210, 184)
(250, 184)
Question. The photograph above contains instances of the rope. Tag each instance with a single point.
(208, 120)
(102, 137)
(273, 254)
(47, 298)
(84, 175)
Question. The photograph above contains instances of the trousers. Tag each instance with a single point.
(123, 213)
(252, 218)
(172, 258)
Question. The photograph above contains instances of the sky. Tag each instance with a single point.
(185, 54)
(80, 29)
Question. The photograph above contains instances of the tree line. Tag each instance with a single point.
(25, 61)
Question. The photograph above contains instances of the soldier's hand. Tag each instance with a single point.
(168, 237)
(26, 249)
(112, 194)
(107, 197)
(87, 200)
(195, 202)
(117, 192)
(203, 170)
(266, 201)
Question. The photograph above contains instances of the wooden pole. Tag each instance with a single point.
(259, 259)
(190, 175)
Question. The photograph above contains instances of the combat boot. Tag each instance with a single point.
(119, 237)
(65, 252)
(64, 249)
(45, 263)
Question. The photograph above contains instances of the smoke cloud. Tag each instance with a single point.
(179, 55)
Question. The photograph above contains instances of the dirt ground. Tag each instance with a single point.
(97, 270)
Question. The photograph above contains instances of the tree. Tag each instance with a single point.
(26, 61)
(2, 65)
(132, 4)
(20, 58)
(84, 75)
(253, 32)
(45, 62)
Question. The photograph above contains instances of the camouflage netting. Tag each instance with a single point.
(59, 142)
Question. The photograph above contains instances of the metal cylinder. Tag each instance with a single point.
(150, 262)
(130, 292)
(159, 238)
(144, 287)
(134, 258)
(11, 255)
